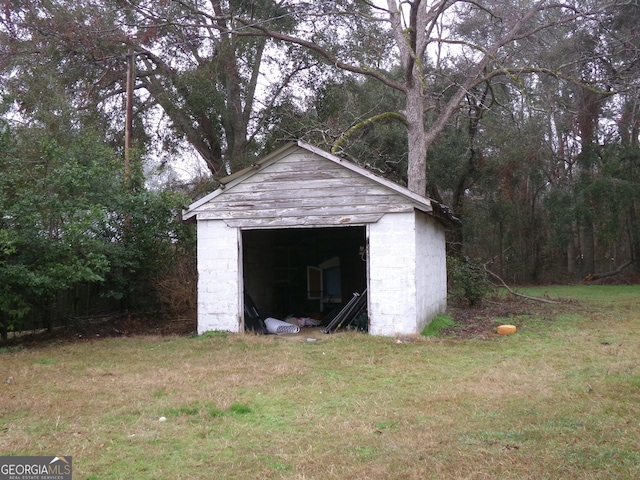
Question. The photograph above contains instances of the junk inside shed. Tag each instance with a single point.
(304, 272)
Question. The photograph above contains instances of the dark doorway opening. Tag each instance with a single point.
(309, 272)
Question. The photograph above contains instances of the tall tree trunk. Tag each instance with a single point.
(417, 157)
(589, 107)
(571, 252)
(412, 39)
(587, 248)
(412, 43)
(4, 327)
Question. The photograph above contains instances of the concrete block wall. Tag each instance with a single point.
(406, 274)
(392, 275)
(431, 269)
(219, 279)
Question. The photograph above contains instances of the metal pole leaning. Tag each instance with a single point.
(341, 314)
(353, 311)
(352, 308)
(361, 307)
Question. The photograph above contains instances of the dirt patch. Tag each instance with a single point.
(480, 321)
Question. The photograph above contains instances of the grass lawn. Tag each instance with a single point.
(560, 399)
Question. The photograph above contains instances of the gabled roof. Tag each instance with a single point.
(259, 190)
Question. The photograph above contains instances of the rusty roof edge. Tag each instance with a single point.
(445, 215)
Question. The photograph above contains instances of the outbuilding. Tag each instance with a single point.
(302, 231)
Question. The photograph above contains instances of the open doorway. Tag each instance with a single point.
(310, 272)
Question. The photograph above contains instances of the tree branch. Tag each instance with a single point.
(617, 271)
(527, 297)
(260, 31)
(376, 118)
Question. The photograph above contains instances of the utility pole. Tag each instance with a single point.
(129, 118)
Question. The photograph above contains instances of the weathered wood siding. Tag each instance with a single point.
(301, 190)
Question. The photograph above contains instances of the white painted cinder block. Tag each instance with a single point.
(219, 279)
(392, 286)
(431, 279)
(407, 273)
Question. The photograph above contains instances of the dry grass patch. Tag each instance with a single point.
(560, 399)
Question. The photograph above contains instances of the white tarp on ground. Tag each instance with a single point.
(279, 327)
(303, 321)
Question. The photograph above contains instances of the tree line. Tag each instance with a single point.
(522, 117)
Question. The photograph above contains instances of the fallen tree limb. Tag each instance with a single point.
(617, 271)
(527, 297)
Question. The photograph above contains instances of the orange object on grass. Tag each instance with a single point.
(506, 329)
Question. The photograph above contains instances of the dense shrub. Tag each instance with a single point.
(68, 221)
(467, 280)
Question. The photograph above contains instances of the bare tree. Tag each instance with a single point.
(202, 61)
(425, 34)
(203, 78)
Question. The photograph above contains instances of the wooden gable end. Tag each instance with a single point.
(303, 189)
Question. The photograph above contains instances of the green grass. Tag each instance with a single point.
(559, 399)
(598, 294)
(436, 325)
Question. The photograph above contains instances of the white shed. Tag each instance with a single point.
(303, 230)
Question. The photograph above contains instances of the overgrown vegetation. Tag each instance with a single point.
(559, 399)
(73, 240)
(468, 282)
(538, 152)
